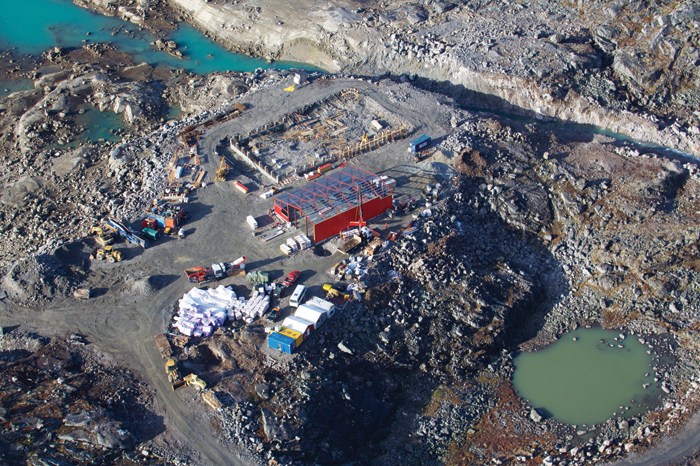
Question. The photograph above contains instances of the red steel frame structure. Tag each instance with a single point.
(331, 203)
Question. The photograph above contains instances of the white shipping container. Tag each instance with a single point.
(326, 306)
(312, 314)
(252, 222)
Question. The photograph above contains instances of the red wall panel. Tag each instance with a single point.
(341, 222)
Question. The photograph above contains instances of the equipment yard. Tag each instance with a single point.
(477, 257)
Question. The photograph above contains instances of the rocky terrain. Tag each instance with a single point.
(625, 66)
(64, 401)
(543, 230)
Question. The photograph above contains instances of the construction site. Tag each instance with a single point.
(332, 270)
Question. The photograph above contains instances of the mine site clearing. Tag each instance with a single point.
(219, 229)
(125, 312)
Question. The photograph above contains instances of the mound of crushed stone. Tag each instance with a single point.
(36, 278)
(147, 286)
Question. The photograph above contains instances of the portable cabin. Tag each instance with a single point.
(312, 314)
(419, 143)
(300, 325)
(326, 306)
(281, 342)
(298, 337)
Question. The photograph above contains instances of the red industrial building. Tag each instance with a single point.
(329, 205)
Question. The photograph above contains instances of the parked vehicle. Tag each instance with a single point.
(274, 314)
(202, 275)
(163, 345)
(291, 278)
(297, 296)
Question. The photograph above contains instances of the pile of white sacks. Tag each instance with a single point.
(203, 311)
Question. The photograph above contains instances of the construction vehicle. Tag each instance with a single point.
(163, 345)
(102, 237)
(192, 379)
(173, 374)
(222, 171)
(124, 231)
(333, 293)
(202, 275)
(112, 255)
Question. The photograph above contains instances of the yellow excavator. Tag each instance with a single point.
(333, 293)
(102, 237)
(112, 255)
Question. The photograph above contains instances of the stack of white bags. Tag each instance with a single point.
(203, 311)
(255, 307)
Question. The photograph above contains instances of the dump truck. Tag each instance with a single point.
(202, 275)
(104, 238)
(163, 345)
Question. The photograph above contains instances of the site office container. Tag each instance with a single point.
(326, 306)
(324, 168)
(296, 336)
(297, 296)
(300, 325)
(281, 342)
(312, 314)
(419, 143)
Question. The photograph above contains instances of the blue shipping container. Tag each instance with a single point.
(281, 343)
(419, 143)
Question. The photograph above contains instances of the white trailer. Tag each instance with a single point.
(326, 306)
(312, 314)
(252, 222)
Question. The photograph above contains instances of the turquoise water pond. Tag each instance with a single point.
(32, 26)
(581, 380)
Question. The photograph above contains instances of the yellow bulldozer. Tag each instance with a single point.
(104, 238)
(112, 255)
